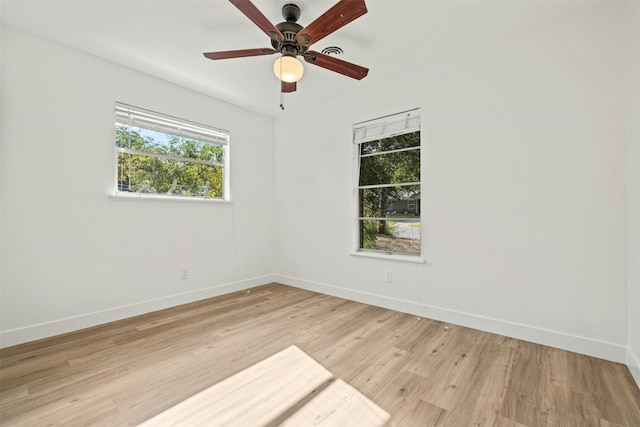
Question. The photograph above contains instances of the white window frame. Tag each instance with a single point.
(129, 115)
(371, 130)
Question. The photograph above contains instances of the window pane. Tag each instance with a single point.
(386, 201)
(400, 236)
(393, 143)
(154, 175)
(165, 143)
(391, 168)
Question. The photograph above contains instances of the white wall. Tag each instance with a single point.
(633, 183)
(72, 256)
(524, 189)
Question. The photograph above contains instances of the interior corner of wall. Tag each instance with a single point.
(633, 363)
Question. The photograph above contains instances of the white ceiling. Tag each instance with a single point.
(166, 38)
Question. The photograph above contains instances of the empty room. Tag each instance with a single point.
(337, 213)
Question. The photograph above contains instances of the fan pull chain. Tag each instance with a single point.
(281, 90)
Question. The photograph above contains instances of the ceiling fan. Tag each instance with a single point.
(292, 40)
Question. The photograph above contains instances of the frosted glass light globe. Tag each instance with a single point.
(288, 69)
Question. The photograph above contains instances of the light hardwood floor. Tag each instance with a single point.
(423, 372)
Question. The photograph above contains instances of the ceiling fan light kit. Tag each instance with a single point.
(291, 40)
(288, 69)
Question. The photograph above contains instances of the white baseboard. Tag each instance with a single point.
(633, 362)
(575, 343)
(584, 345)
(69, 324)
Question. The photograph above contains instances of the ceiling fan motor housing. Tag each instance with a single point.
(290, 12)
(289, 29)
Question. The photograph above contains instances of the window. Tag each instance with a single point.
(388, 187)
(160, 155)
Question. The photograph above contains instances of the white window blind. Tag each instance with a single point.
(135, 116)
(386, 127)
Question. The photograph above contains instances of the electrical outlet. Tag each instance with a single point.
(184, 273)
(388, 277)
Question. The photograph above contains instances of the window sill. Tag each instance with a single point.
(160, 198)
(389, 256)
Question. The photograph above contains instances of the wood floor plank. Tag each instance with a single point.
(338, 405)
(504, 422)
(400, 395)
(528, 394)
(424, 412)
(479, 396)
(447, 361)
(423, 372)
(377, 372)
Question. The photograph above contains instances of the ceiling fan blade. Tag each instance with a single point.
(333, 19)
(338, 65)
(253, 13)
(289, 87)
(227, 54)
